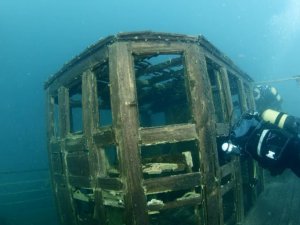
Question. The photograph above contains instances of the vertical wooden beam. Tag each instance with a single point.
(49, 116)
(202, 108)
(238, 191)
(240, 213)
(89, 103)
(64, 111)
(223, 96)
(90, 123)
(65, 201)
(242, 95)
(225, 89)
(125, 124)
(251, 97)
(50, 135)
(236, 161)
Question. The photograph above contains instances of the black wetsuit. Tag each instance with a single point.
(274, 148)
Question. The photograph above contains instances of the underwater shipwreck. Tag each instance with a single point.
(135, 124)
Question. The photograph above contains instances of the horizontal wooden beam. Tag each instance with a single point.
(172, 183)
(227, 169)
(176, 204)
(227, 187)
(75, 143)
(109, 183)
(167, 134)
(104, 136)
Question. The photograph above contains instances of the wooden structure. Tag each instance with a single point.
(134, 128)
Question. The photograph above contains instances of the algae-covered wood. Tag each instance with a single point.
(135, 124)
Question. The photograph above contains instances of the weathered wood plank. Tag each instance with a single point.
(155, 36)
(167, 134)
(75, 68)
(202, 106)
(57, 163)
(54, 146)
(141, 48)
(59, 179)
(227, 187)
(91, 123)
(227, 169)
(75, 143)
(172, 183)
(225, 89)
(242, 95)
(238, 190)
(124, 114)
(104, 136)
(90, 103)
(50, 115)
(64, 111)
(78, 164)
(110, 183)
(176, 204)
(66, 211)
(221, 59)
(223, 94)
(222, 129)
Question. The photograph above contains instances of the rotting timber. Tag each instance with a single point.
(134, 128)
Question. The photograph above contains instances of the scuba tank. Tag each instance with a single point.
(282, 120)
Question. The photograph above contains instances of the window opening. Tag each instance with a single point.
(170, 159)
(103, 85)
(216, 94)
(161, 89)
(235, 97)
(75, 93)
(112, 161)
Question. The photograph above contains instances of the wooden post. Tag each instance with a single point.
(202, 107)
(67, 211)
(90, 123)
(242, 95)
(225, 89)
(64, 111)
(125, 118)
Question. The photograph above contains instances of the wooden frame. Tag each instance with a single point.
(81, 170)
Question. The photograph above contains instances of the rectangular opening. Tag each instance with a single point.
(103, 91)
(84, 205)
(161, 89)
(112, 161)
(212, 70)
(170, 159)
(75, 94)
(235, 97)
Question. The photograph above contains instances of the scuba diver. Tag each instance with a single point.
(272, 138)
(265, 97)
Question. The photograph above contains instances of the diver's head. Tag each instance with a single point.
(266, 97)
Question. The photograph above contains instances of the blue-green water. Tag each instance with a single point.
(38, 36)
